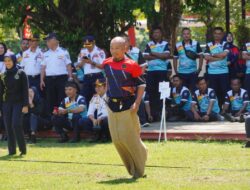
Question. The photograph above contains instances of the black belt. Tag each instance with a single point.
(56, 76)
(120, 104)
(34, 76)
(93, 74)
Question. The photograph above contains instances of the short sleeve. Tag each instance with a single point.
(62, 104)
(212, 95)
(207, 50)
(227, 99)
(199, 50)
(139, 81)
(81, 101)
(185, 95)
(194, 99)
(67, 58)
(245, 97)
(147, 49)
(136, 70)
(166, 49)
(244, 49)
(226, 47)
(141, 60)
(176, 54)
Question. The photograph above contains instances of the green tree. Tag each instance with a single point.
(72, 19)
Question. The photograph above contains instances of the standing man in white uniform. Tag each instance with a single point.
(56, 70)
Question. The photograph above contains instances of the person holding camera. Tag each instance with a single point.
(90, 56)
(187, 51)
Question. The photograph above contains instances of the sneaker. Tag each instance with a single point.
(64, 138)
(247, 145)
(74, 140)
(145, 125)
(228, 117)
(33, 139)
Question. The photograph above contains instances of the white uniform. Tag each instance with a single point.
(56, 62)
(31, 62)
(97, 56)
(2, 67)
(98, 104)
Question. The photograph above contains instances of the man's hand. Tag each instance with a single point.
(135, 107)
(94, 122)
(25, 109)
(86, 61)
(197, 117)
(42, 84)
(205, 118)
(62, 111)
(238, 114)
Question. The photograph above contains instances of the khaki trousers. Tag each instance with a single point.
(125, 133)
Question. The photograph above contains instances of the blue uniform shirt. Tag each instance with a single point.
(157, 64)
(203, 100)
(187, 65)
(69, 105)
(236, 100)
(183, 95)
(217, 67)
(246, 49)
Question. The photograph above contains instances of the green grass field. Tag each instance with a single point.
(172, 165)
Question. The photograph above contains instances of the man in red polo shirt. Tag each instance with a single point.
(124, 91)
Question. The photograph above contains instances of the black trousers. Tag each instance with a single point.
(55, 90)
(247, 125)
(87, 124)
(34, 81)
(62, 122)
(88, 88)
(153, 79)
(221, 84)
(13, 123)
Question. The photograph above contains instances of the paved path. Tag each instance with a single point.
(192, 127)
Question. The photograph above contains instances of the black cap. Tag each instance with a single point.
(51, 36)
(35, 37)
(100, 82)
(89, 38)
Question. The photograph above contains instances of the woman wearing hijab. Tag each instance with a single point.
(236, 66)
(3, 50)
(15, 101)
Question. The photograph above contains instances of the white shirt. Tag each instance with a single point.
(31, 61)
(2, 67)
(56, 62)
(97, 103)
(97, 55)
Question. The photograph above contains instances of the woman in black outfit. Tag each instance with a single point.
(14, 99)
(3, 50)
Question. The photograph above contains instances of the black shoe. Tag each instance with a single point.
(247, 145)
(33, 139)
(96, 138)
(12, 154)
(145, 125)
(23, 153)
(228, 117)
(64, 138)
(104, 138)
(75, 140)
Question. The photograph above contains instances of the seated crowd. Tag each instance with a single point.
(67, 96)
